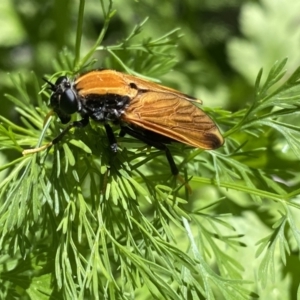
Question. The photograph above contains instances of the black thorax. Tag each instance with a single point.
(102, 108)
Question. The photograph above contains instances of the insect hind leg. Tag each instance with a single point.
(149, 139)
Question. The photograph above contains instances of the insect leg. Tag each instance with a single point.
(122, 132)
(155, 144)
(111, 138)
(79, 124)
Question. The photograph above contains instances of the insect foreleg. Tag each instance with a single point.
(80, 124)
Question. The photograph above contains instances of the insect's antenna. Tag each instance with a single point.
(52, 86)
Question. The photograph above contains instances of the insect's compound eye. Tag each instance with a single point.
(68, 101)
(61, 80)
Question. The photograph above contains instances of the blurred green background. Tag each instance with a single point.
(224, 44)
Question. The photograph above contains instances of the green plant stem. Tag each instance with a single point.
(107, 15)
(243, 188)
(79, 32)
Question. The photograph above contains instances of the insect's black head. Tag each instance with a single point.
(64, 99)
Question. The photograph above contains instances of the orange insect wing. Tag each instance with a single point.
(173, 116)
(106, 81)
(101, 82)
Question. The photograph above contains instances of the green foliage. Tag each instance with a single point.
(80, 223)
(268, 36)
